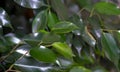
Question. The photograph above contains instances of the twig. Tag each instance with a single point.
(2, 59)
(91, 13)
(12, 71)
(109, 30)
(10, 68)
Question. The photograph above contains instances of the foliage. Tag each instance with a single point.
(63, 36)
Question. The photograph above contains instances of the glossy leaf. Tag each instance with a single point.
(64, 62)
(87, 36)
(11, 38)
(95, 26)
(20, 51)
(63, 49)
(24, 50)
(50, 38)
(118, 35)
(107, 8)
(85, 3)
(64, 27)
(78, 21)
(1, 30)
(82, 54)
(3, 47)
(52, 19)
(13, 57)
(28, 64)
(34, 4)
(80, 69)
(99, 69)
(77, 45)
(110, 47)
(43, 54)
(33, 39)
(4, 18)
(57, 5)
(40, 21)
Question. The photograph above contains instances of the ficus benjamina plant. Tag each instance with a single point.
(59, 36)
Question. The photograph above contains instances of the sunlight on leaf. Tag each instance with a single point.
(4, 18)
(40, 21)
(34, 4)
(1, 30)
(24, 50)
(28, 64)
(12, 38)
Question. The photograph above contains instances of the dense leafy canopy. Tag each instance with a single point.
(60, 36)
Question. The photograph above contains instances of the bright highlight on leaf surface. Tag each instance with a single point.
(34, 4)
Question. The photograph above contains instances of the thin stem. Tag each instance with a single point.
(40, 43)
(12, 71)
(91, 13)
(10, 68)
(101, 22)
(109, 30)
(23, 55)
(2, 59)
(82, 10)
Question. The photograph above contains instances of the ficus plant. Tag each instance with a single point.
(63, 36)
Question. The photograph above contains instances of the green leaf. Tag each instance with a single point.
(32, 39)
(78, 21)
(12, 39)
(83, 56)
(79, 69)
(63, 49)
(82, 2)
(1, 30)
(96, 26)
(43, 54)
(99, 69)
(88, 37)
(40, 21)
(85, 4)
(52, 19)
(4, 18)
(57, 5)
(65, 62)
(50, 38)
(118, 35)
(29, 64)
(110, 47)
(3, 47)
(64, 27)
(107, 8)
(34, 4)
